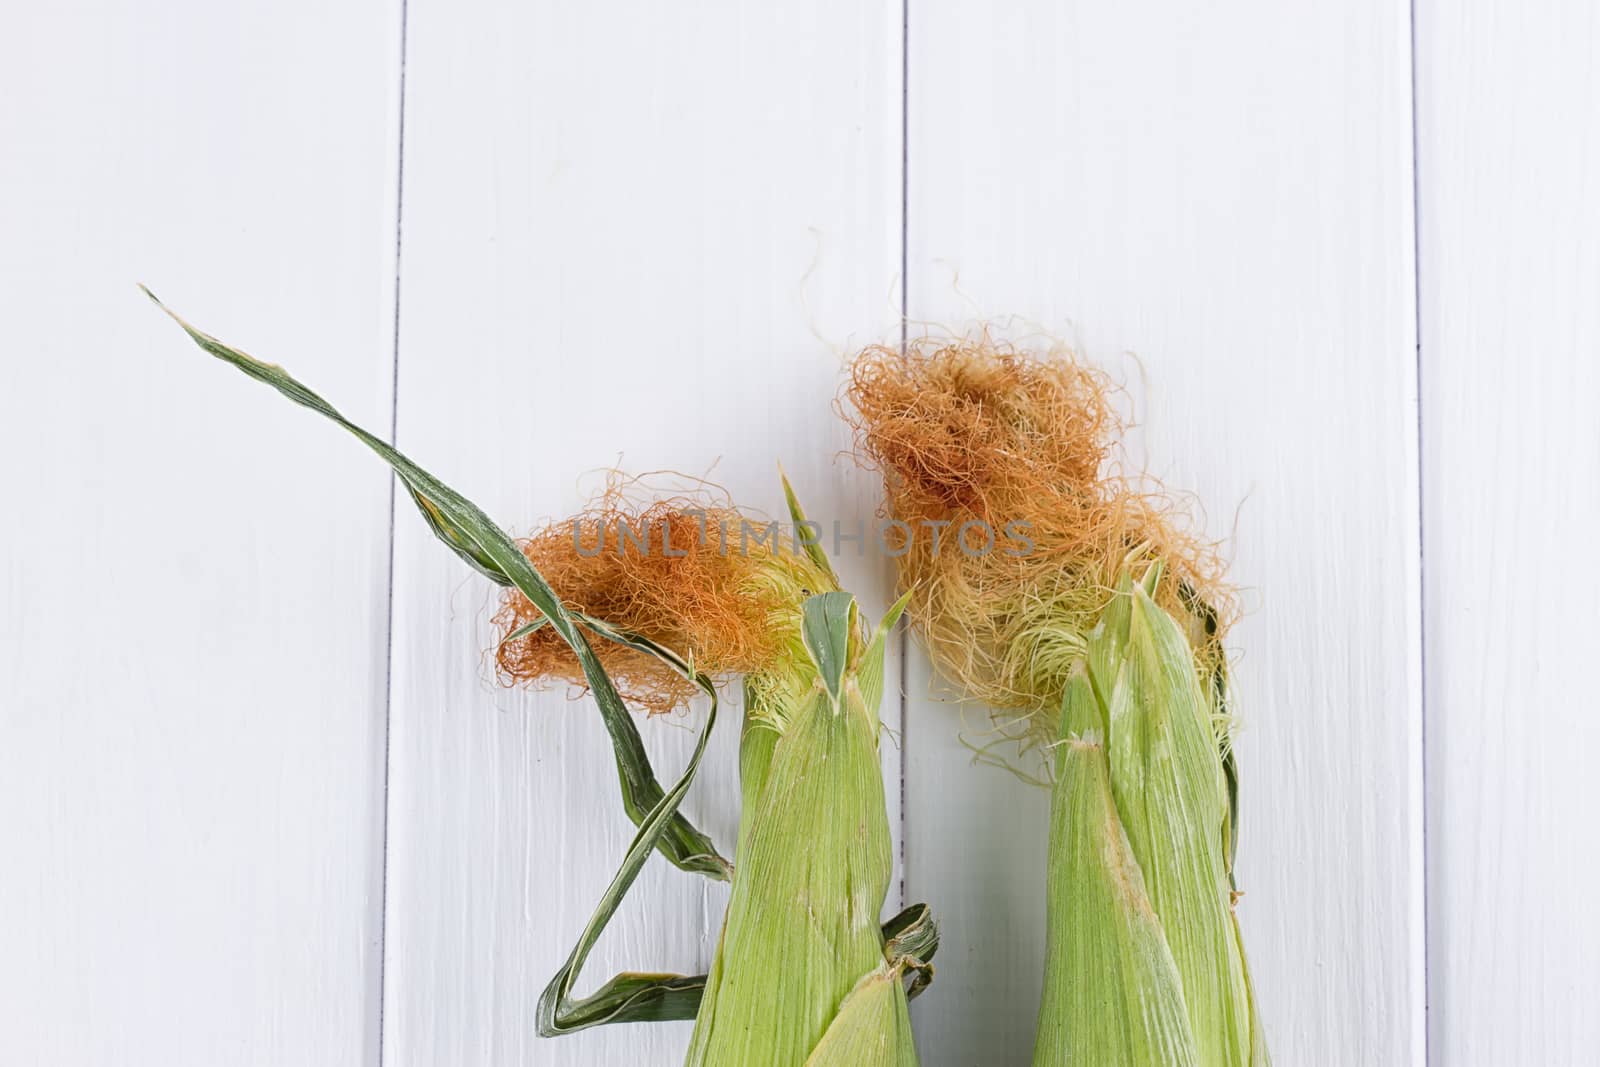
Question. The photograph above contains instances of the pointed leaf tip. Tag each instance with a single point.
(825, 629)
(798, 516)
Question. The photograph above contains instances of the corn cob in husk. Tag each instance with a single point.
(811, 871)
(1138, 853)
(804, 972)
(1105, 632)
(1112, 992)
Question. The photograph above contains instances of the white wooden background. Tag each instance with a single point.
(262, 802)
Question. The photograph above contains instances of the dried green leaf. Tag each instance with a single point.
(629, 997)
(813, 548)
(467, 531)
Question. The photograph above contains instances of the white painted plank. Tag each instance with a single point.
(1509, 132)
(194, 577)
(624, 230)
(1226, 192)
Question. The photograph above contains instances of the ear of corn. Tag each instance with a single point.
(1112, 994)
(1144, 963)
(811, 872)
(1166, 776)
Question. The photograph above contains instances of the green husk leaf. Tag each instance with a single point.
(813, 548)
(1258, 1035)
(1204, 617)
(872, 1029)
(813, 867)
(757, 742)
(869, 673)
(1171, 796)
(1108, 643)
(1112, 993)
(467, 531)
(826, 631)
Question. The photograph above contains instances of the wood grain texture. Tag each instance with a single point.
(194, 577)
(638, 236)
(1215, 204)
(1510, 267)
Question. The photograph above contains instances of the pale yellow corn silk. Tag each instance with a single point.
(974, 431)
